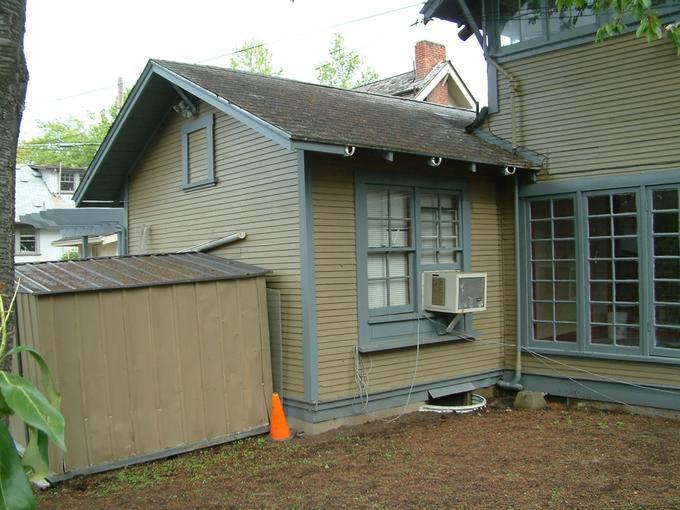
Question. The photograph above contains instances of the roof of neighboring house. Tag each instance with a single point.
(84, 221)
(402, 85)
(133, 271)
(292, 113)
(33, 195)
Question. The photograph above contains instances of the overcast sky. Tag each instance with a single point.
(76, 49)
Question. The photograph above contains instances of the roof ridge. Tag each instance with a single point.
(319, 85)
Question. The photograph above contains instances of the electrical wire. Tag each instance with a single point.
(413, 379)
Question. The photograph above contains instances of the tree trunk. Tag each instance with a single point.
(13, 79)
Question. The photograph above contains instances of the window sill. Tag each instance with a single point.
(408, 342)
(199, 185)
(663, 360)
(28, 254)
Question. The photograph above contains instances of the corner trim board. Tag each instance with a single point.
(308, 280)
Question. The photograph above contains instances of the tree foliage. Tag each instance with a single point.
(344, 67)
(71, 142)
(254, 57)
(40, 412)
(642, 11)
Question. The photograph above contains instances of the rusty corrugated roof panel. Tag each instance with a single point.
(133, 271)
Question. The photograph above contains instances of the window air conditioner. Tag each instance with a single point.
(454, 291)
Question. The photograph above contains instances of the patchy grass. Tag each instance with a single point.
(556, 458)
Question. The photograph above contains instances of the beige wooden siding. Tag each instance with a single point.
(335, 266)
(598, 108)
(144, 370)
(256, 192)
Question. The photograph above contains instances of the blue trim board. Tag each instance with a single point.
(307, 279)
(582, 183)
(315, 412)
(603, 391)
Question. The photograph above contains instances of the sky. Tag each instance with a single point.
(77, 49)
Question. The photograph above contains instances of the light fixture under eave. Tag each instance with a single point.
(509, 170)
(434, 161)
(184, 109)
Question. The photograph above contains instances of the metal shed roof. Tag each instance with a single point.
(108, 273)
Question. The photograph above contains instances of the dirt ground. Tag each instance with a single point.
(499, 458)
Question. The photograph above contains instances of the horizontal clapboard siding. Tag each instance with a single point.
(336, 292)
(256, 192)
(597, 108)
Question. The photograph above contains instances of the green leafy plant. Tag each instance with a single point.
(642, 11)
(40, 412)
(70, 255)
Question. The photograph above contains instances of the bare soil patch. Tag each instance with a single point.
(555, 458)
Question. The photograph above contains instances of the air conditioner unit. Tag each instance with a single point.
(454, 291)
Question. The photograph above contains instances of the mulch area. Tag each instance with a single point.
(498, 458)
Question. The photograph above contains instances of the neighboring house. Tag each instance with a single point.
(599, 279)
(347, 197)
(47, 225)
(40, 188)
(433, 79)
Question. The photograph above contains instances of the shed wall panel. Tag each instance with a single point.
(144, 370)
(256, 192)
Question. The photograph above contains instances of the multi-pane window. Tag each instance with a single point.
(603, 271)
(390, 246)
(67, 182)
(613, 269)
(666, 267)
(553, 269)
(440, 228)
(25, 239)
(539, 21)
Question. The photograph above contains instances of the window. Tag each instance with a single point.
(405, 226)
(666, 268)
(67, 182)
(603, 271)
(390, 247)
(535, 22)
(553, 270)
(198, 157)
(25, 240)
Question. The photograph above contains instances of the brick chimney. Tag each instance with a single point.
(428, 55)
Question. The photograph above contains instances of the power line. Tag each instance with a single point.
(302, 34)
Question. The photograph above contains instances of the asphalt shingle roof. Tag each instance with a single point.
(402, 85)
(315, 113)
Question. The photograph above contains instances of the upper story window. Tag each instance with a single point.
(67, 182)
(198, 156)
(533, 22)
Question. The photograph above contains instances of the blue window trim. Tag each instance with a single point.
(399, 330)
(204, 122)
(644, 183)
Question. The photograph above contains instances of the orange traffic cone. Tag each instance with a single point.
(278, 428)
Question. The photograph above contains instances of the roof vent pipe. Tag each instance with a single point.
(434, 161)
(350, 150)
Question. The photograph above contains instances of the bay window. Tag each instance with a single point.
(603, 270)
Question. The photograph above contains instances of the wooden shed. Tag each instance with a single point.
(153, 354)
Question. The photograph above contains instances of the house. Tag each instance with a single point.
(40, 188)
(47, 225)
(433, 79)
(347, 197)
(599, 281)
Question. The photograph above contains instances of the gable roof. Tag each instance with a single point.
(406, 84)
(295, 114)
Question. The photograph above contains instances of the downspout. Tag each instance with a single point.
(515, 384)
(514, 84)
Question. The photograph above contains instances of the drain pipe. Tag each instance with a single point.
(514, 84)
(514, 384)
(203, 247)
